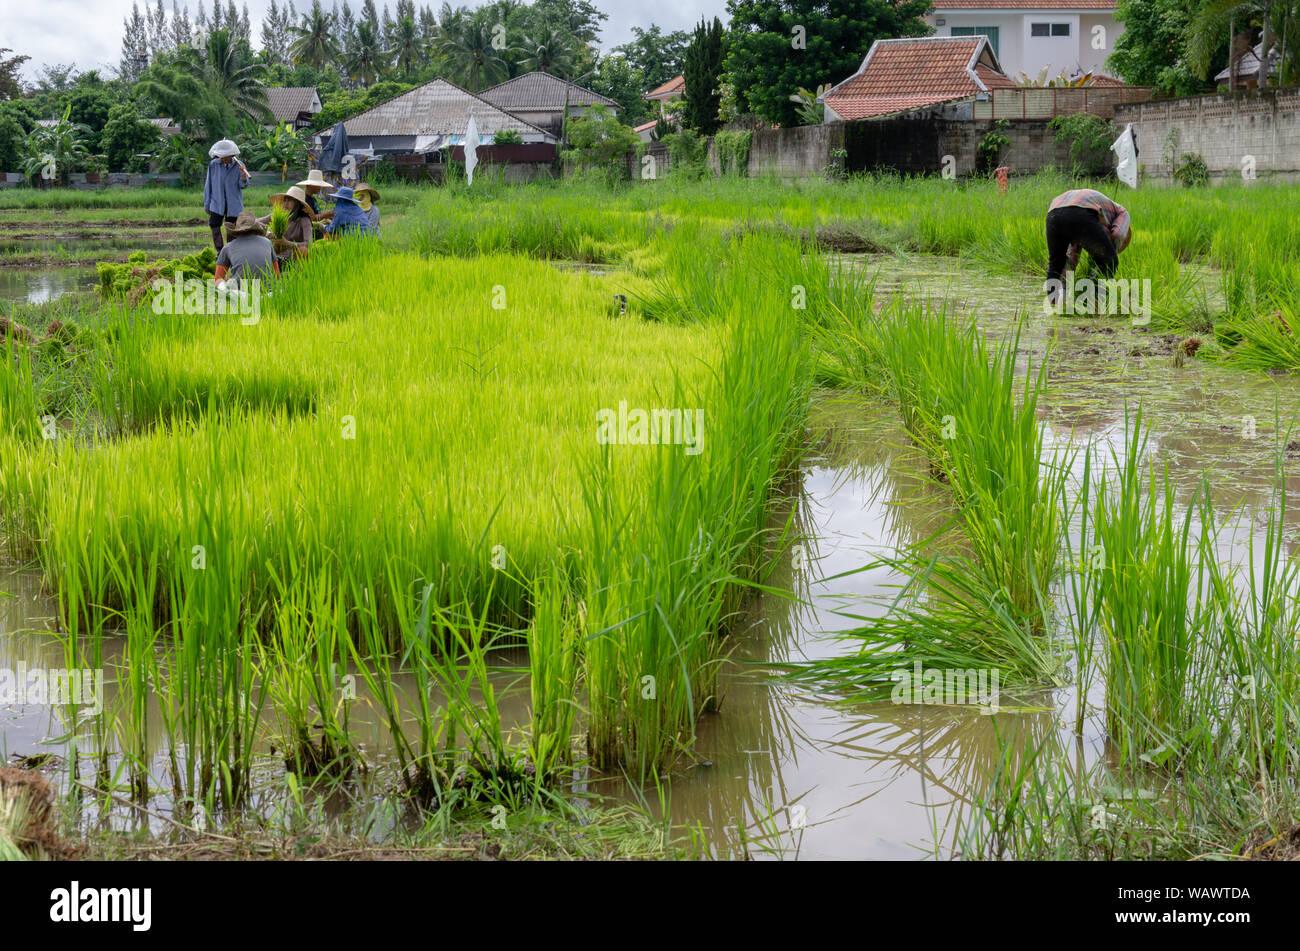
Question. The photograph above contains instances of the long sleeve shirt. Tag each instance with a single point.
(223, 190)
(348, 217)
(1114, 217)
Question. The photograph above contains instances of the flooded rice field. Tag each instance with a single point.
(780, 771)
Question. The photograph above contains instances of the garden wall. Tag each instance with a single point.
(908, 145)
(1226, 130)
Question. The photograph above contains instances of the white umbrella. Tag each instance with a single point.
(471, 150)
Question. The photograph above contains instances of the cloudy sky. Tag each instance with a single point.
(88, 33)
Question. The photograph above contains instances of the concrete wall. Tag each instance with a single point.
(1226, 130)
(799, 152)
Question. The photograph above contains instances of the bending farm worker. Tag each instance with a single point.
(1084, 220)
(248, 253)
(223, 189)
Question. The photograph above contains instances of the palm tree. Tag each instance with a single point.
(213, 86)
(1219, 16)
(470, 54)
(314, 42)
(407, 48)
(548, 51)
(368, 57)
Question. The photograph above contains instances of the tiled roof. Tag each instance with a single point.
(542, 91)
(675, 85)
(645, 125)
(438, 107)
(286, 102)
(898, 75)
(941, 5)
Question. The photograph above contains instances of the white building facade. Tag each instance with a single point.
(1026, 36)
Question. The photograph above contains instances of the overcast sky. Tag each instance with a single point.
(88, 33)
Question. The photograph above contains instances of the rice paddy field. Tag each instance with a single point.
(723, 519)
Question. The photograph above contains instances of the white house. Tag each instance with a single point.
(1074, 37)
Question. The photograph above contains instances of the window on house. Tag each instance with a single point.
(1060, 29)
(1049, 29)
(990, 31)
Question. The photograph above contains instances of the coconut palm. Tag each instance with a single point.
(549, 51)
(407, 48)
(469, 52)
(314, 41)
(368, 57)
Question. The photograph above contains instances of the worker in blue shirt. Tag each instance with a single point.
(348, 216)
(223, 191)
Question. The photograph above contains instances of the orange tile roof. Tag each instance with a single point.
(898, 75)
(676, 84)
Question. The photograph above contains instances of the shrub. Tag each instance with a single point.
(508, 137)
(1090, 138)
(1191, 171)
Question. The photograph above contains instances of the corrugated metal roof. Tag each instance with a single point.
(286, 102)
(438, 107)
(537, 91)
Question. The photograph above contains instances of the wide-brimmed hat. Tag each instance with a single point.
(245, 224)
(363, 187)
(223, 148)
(314, 177)
(345, 194)
(294, 192)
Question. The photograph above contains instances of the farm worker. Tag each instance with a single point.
(368, 199)
(299, 230)
(348, 216)
(248, 253)
(1084, 219)
(223, 190)
(312, 185)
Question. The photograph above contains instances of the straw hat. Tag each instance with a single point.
(363, 187)
(314, 178)
(294, 192)
(244, 225)
(223, 148)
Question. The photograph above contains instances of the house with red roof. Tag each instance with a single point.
(1029, 36)
(942, 75)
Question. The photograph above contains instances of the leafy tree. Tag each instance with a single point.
(1152, 49)
(1236, 19)
(313, 40)
(703, 72)
(656, 55)
(777, 46)
(12, 137)
(616, 79)
(90, 105)
(10, 86)
(599, 141)
(135, 45)
(125, 135)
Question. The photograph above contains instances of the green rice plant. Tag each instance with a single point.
(307, 657)
(554, 653)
